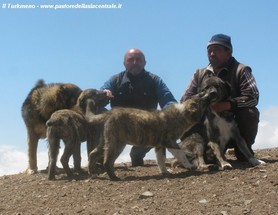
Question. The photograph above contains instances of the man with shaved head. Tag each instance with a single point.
(137, 88)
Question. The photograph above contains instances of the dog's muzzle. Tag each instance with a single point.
(209, 96)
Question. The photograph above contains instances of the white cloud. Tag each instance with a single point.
(13, 161)
(268, 129)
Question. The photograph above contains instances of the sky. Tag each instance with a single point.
(85, 46)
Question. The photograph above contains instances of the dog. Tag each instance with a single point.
(196, 149)
(92, 102)
(158, 129)
(41, 102)
(209, 140)
(71, 126)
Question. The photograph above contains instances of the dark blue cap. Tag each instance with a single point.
(221, 39)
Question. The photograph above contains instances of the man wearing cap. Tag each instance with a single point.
(244, 92)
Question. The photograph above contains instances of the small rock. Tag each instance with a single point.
(146, 194)
(203, 201)
(247, 202)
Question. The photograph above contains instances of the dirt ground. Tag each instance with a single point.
(242, 190)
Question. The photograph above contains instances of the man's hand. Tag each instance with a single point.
(108, 93)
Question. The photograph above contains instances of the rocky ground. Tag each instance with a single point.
(242, 190)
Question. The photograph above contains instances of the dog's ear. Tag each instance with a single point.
(70, 93)
(81, 102)
(40, 83)
(204, 77)
(91, 107)
(208, 74)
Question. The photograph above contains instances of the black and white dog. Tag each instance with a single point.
(212, 136)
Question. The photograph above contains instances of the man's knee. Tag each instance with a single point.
(247, 120)
(137, 155)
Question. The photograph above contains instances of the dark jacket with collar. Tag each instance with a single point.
(143, 91)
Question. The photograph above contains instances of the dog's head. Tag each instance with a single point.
(92, 99)
(213, 89)
(69, 94)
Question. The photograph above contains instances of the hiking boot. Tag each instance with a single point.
(135, 163)
(240, 156)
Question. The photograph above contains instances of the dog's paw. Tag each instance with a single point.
(175, 164)
(80, 171)
(93, 176)
(115, 178)
(163, 171)
(189, 166)
(167, 173)
(208, 167)
(31, 171)
(226, 166)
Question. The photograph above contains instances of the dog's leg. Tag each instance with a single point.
(199, 160)
(89, 146)
(219, 156)
(111, 153)
(93, 140)
(181, 156)
(53, 151)
(197, 153)
(68, 151)
(160, 159)
(32, 152)
(93, 157)
(77, 157)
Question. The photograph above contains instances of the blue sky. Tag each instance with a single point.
(86, 47)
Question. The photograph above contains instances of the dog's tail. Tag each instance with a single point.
(40, 83)
(54, 122)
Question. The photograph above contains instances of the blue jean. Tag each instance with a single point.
(137, 154)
